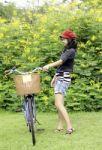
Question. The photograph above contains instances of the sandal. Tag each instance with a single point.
(70, 131)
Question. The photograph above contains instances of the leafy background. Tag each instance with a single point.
(29, 38)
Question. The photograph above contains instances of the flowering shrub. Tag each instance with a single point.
(31, 44)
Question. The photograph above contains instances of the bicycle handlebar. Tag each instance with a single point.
(10, 71)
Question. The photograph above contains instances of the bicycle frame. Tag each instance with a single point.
(29, 108)
(25, 107)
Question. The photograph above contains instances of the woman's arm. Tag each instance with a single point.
(54, 64)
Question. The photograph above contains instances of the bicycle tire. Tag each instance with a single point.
(31, 125)
(26, 113)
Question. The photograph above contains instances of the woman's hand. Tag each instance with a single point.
(46, 68)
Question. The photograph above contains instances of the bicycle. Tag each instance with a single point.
(28, 84)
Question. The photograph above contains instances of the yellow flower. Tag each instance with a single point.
(51, 8)
(100, 71)
(2, 20)
(83, 65)
(93, 38)
(92, 82)
(97, 48)
(15, 23)
(82, 45)
(57, 24)
(44, 19)
(74, 4)
(36, 36)
(23, 41)
(47, 78)
(55, 31)
(42, 30)
(1, 35)
(45, 99)
(99, 19)
(53, 37)
(4, 29)
(88, 43)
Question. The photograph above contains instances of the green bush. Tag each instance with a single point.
(31, 44)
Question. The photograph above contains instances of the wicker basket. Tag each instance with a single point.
(27, 84)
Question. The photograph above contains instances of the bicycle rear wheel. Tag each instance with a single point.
(31, 125)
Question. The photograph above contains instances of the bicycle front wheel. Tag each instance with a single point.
(31, 125)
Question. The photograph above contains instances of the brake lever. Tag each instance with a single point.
(6, 72)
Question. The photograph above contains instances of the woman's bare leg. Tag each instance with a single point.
(61, 120)
(58, 103)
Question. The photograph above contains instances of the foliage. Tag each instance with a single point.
(31, 39)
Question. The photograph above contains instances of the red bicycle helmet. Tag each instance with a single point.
(68, 34)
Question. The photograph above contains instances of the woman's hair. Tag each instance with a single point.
(71, 44)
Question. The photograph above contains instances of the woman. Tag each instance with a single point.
(61, 79)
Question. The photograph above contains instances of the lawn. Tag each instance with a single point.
(15, 136)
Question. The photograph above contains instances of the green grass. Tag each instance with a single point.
(15, 136)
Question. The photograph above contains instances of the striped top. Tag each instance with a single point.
(63, 76)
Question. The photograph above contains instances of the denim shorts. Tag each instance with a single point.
(61, 85)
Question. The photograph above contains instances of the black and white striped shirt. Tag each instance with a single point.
(63, 76)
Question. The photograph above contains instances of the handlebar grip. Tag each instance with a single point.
(7, 72)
